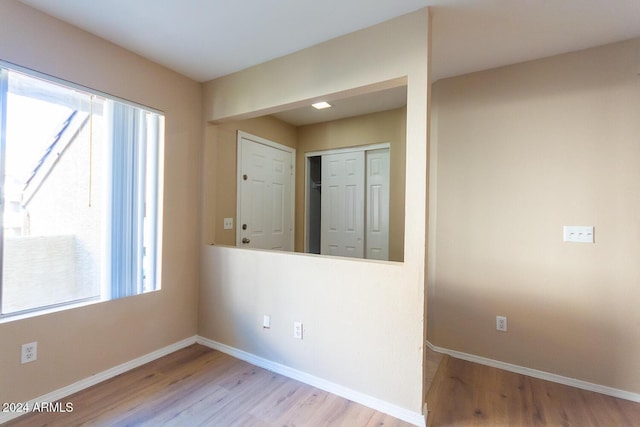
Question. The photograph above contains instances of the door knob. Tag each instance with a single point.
(245, 240)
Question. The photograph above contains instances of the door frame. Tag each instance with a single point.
(307, 176)
(272, 144)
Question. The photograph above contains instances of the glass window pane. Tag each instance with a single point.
(52, 219)
(81, 180)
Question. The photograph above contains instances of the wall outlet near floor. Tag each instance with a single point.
(297, 330)
(501, 323)
(29, 352)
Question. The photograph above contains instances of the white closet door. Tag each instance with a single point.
(343, 204)
(377, 221)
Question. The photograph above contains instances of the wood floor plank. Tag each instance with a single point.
(280, 401)
(308, 404)
(468, 394)
(197, 386)
(379, 419)
(172, 385)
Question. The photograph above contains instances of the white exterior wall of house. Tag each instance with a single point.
(61, 230)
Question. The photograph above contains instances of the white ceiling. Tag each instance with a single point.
(205, 39)
(474, 35)
(371, 102)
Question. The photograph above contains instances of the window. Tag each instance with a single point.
(80, 186)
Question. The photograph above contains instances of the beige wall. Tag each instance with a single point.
(75, 344)
(221, 158)
(363, 320)
(517, 153)
(388, 126)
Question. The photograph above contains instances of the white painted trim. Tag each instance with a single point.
(369, 147)
(57, 80)
(267, 142)
(548, 376)
(102, 376)
(396, 411)
(307, 195)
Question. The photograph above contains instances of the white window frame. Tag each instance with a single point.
(155, 156)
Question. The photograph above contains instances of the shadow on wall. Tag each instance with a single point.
(544, 333)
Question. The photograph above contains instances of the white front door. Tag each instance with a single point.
(342, 219)
(265, 194)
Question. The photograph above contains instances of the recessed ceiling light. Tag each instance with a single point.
(321, 105)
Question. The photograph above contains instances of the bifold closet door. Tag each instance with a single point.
(377, 208)
(343, 199)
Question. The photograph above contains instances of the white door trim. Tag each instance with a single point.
(349, 149)
(272, 144)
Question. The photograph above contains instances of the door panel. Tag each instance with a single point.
(377, 222)
(266, 196)
(331, 215)
(277, 198)
(342, 219)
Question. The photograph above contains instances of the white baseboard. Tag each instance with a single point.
(610, 391)
(101, 376)
(337, 389)
(355, 396)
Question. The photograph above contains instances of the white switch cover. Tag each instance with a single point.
(266, 321)
(578, 234)
(228, 223)
(297, 330)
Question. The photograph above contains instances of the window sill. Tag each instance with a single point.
(7, 318)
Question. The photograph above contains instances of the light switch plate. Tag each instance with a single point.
(266, 321)
(578, 234)
(228, 223)
(297, 330)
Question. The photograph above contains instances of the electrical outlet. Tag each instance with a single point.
(29, 352)
(501, 323)
(228, 223)
(297, 330)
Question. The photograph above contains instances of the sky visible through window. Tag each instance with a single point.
(31, 127)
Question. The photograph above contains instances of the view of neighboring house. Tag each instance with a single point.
(52, 226)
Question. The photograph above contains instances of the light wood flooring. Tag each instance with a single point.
(467, 394)
(198, 386)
